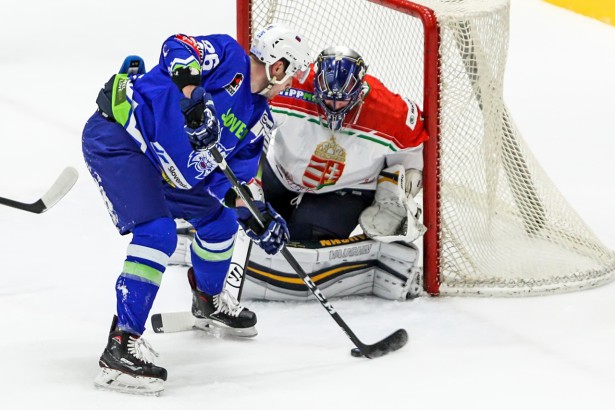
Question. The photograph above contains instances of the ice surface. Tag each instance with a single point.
(59, 269)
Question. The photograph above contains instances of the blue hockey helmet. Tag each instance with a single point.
(338, 77)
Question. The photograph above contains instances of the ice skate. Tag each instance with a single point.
(127, 365)
(221, 314)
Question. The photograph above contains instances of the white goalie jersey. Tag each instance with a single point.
(385, 129)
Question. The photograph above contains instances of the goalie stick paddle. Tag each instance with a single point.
(395, 341)
(60, 187)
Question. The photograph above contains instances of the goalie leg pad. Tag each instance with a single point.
(182, 256)
(342, 270)
(341, 267)
(185, 236)
(398, 276)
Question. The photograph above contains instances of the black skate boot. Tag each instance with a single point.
(221, 311)
(127, 365)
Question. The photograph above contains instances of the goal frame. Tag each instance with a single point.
(431, 108)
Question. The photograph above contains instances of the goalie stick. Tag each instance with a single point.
(60, 187)
(394, 341)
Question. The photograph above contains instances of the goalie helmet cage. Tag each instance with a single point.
(496, 223)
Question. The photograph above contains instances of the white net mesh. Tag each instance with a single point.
(504, 228)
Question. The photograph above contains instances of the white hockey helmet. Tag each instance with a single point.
(275, 42)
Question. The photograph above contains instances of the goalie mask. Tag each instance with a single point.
(338, 83)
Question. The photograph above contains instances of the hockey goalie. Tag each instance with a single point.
(343, 169)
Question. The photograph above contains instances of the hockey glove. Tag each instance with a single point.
(202, 126)
(273, 236)
(392, 217)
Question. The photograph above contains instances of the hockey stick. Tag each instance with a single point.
(389, 344)
(63, 184)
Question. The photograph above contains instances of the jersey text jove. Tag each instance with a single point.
(156, 121)
(383, 130)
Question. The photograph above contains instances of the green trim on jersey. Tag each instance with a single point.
(119, 103)
(193, 64)
(289, 113)
(369, 137)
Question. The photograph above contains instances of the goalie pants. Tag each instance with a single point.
(140, 202)
(316, 216)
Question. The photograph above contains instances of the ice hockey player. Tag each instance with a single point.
(147, 147)
(346, 151)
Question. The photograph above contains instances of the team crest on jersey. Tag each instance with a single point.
(204, 162)
(234, 85)
(326, 165)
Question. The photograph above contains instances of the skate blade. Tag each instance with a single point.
(218, 329)
(114, 380)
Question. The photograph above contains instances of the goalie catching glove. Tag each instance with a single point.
(394, 214)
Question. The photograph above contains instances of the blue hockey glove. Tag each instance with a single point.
(273, 236)
(202, 125)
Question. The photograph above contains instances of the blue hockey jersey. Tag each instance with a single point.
(156, 122)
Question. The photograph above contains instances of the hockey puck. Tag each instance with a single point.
(355, 352)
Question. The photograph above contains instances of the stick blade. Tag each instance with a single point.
(172, 322)
(391, 343)
(63, 184)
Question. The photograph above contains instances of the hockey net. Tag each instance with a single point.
(496, 223)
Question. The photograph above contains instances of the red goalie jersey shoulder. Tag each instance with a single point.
(382, 111)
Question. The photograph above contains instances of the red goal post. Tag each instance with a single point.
(496, 224)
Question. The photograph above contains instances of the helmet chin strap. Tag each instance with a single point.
(272, 80)
(265, 90)
(270, 83)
